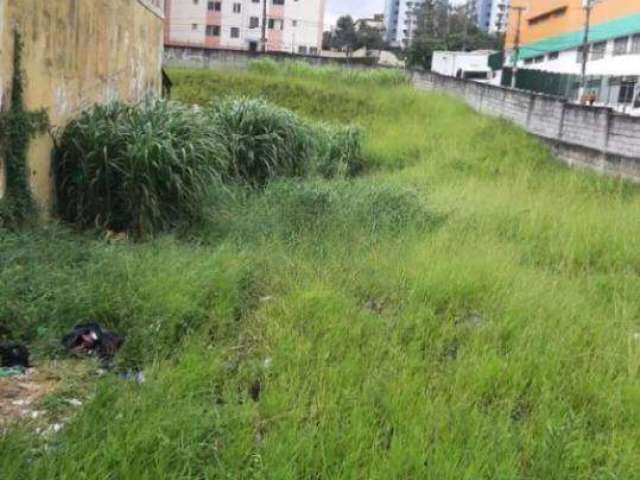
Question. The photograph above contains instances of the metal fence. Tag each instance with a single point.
(620, 93)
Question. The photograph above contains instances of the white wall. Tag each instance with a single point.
(567, 62)
(448, 63)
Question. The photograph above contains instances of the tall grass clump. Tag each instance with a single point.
(139, 169)
(352, 76)
(264, 141)
(327, 211)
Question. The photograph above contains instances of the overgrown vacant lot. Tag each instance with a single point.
(465, 308)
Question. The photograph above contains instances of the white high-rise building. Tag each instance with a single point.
(401, 21)
(490, 15)
(293, 26)
(499, 16)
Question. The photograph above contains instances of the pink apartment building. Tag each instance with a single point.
(293, 26)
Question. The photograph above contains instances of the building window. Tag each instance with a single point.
(538, 59)
(217, 6)
(276, 24)
(194, 26)
(553, 56)
(627, 88)
(313, 50)
(237, 7)
(598, 50)
(278, 2)
(635, 43)
(210, 6)
(579, 57)
(294, 23)
(195, 2)
(213, 30)
(528, 61)
(254, 22)
(620, 46)
(302, 50)
(235, 32)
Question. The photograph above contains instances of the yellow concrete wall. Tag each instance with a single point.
(78, 53)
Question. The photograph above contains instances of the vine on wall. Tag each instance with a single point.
(17, 128)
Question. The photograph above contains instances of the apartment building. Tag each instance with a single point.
(293, 26)
(481, 13)
(401, 21)
(490, 15)
(499, 16)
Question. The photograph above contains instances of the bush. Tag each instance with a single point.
(264, 141)
(339, 152)
(139, 169)
(144, 169)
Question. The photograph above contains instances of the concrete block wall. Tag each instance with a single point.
(585, 126)
(199, 57)
(583, 136)
(624, 135)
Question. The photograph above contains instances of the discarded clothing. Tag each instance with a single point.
(133, 375)
(14, 354)
(91, 339)
(11, 371)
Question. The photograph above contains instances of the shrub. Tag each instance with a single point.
(136, 168)
(264, 141)
(339, 152)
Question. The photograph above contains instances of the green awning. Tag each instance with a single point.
(619, 27)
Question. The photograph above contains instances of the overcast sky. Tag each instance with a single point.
(356, 8)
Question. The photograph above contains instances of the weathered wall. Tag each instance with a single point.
(197, 57)
(591, 137)
(78, 53)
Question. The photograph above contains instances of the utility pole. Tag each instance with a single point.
(467, 19)
(264, 26)
(516, 45)
(588, 6)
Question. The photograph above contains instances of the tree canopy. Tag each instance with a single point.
(441, 27)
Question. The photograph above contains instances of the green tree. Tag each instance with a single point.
(441, 27)
(369, 38)
(345, 36)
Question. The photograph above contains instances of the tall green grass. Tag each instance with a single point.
(145, 168)
(467, 310)
(265, 142)
(139, 169)
(354, 75)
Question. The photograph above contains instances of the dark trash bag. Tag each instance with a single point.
(14, 354)
(91, 339)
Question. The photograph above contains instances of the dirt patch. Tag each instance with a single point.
(20, 395)
(44, 395)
